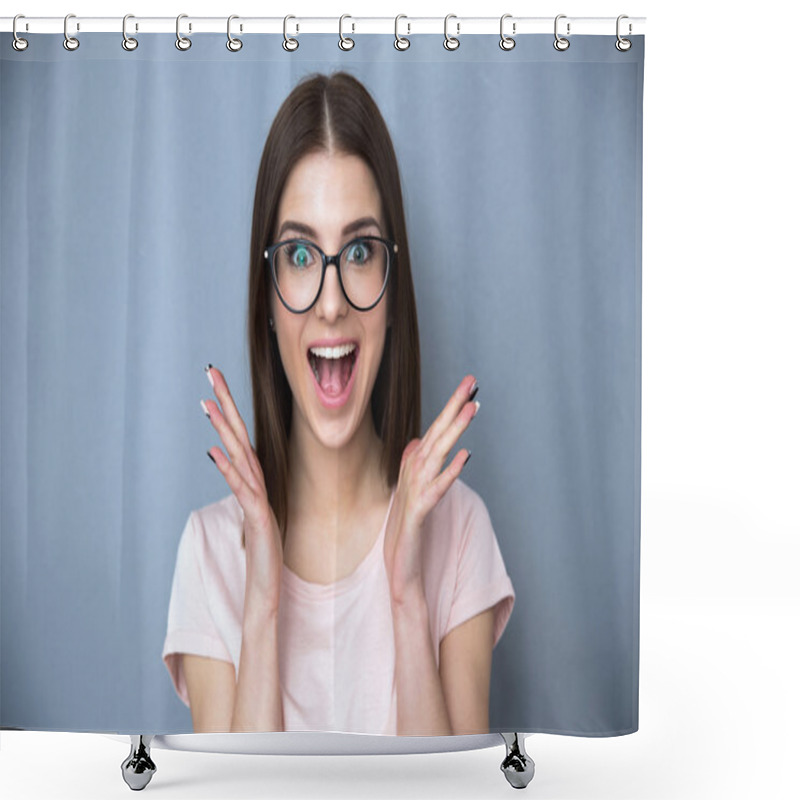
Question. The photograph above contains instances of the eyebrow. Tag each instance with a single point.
(307, 230)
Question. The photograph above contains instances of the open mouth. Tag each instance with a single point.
(333, 367)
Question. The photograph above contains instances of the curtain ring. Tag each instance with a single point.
(18, 43)
(233, 44)
(128, 42)
(623, 45)
(181, 42)
(345, 43)
(400, 42)
(561, 43)
(70, 42)
(451, 42)
(507, 42)
(289, 43)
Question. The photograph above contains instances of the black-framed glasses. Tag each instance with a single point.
(363, 265)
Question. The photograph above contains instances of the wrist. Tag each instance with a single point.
(260, 608)
(411, 601)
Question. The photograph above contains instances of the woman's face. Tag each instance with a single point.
(329, 199)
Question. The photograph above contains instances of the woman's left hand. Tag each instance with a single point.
(421, 483)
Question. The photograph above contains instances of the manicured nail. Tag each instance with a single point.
(477, 408)
(474, 390)
(469, 455)
(208, 453)
(205, 409)
(208, 372)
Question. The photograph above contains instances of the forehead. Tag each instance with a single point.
(328, 190)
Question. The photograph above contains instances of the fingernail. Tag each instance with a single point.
(477, 408)
(469, 455)
(208, 453)
(208, 372)
(474, 390)
(205, 409)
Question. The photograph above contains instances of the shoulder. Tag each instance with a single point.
(221, 516)
(214, 530)
(460, 508)
(457, 518)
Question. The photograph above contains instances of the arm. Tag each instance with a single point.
(454, 699)
(421, 707)
(220, 704)
(258, 705)
(465, 664)
(211, 685)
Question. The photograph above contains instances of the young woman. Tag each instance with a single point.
(351, 581)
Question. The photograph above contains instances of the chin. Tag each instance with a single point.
(336, 428)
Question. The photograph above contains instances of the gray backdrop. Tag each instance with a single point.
(127, 188)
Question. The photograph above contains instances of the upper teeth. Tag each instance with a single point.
(333, 352)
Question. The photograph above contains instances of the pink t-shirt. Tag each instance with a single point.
(336, 640)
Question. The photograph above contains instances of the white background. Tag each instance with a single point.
(720, 439)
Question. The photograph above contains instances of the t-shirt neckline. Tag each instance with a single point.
(322, 591)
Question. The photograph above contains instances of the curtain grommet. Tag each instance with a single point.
(289, 44)
(400, 42)
(233, 44)
(18, 43)
(129, 43)
(622, 44)
(507, 42)
(451, 42)
(561, 43)
(182, 42)
(70, 42)
(345, 42)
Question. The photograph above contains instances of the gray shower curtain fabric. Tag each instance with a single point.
(130, 216)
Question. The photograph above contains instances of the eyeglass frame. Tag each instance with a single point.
(391, 247)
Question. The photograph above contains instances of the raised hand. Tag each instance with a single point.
(421, 483)
(242, 470)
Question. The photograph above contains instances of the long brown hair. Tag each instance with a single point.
(332, 113)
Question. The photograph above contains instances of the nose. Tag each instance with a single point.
(331, 303)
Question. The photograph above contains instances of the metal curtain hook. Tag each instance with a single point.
(345, 43)
(18, 43)
(507, 42)
(623, 45)
(128, 42)
(289, 43)
(561, 43)
(451, 42)
(400, 42)
(70, 42)
(233, 44)
(181, 42)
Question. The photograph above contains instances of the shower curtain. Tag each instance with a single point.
(128, 183)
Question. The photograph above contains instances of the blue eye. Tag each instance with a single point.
(359, 252)
(300, 256)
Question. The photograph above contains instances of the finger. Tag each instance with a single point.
(238, 451)
(243, 491)
(447, 477)
(450, 411)
(227, 404)
(444, 444)
(232, 415)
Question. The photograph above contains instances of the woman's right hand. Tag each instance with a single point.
(242, 471)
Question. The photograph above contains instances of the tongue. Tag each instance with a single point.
(333, 374)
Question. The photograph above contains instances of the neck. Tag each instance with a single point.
(343, 480)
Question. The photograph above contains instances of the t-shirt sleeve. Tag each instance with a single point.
(190, 626)
(481, 578)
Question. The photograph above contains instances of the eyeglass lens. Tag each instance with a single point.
(362, 265)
